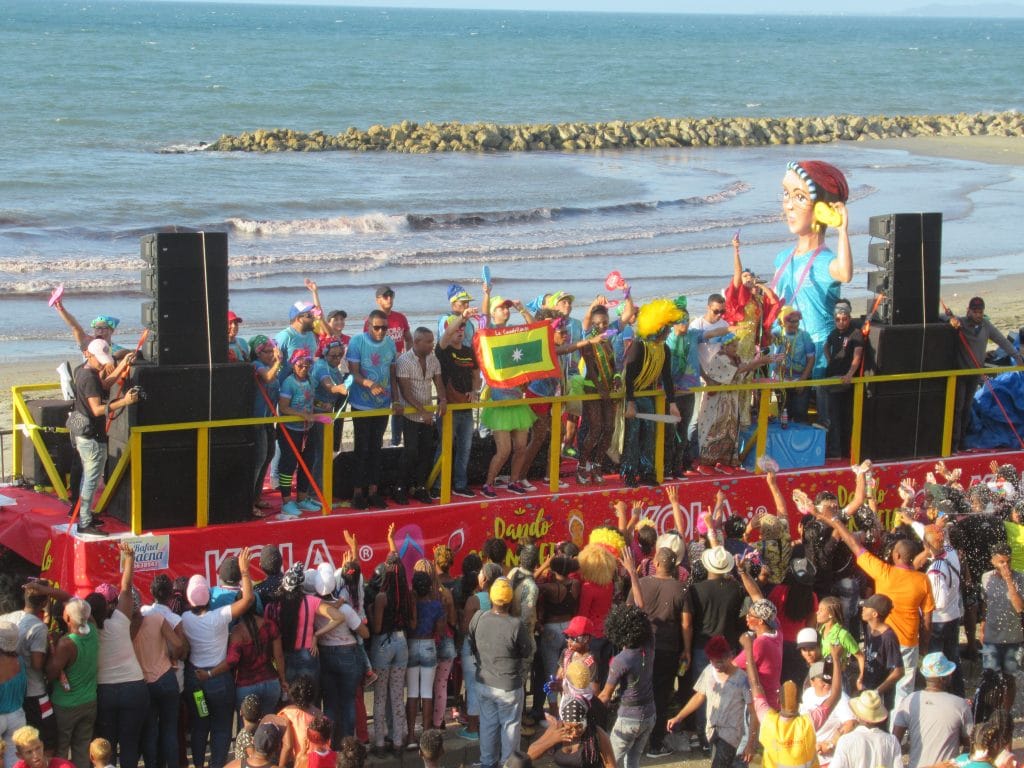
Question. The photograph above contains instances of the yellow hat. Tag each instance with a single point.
(501, 591)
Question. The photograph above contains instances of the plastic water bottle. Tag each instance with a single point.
(201, 707)
(784, 419)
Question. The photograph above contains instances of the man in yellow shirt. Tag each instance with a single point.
(909, 590)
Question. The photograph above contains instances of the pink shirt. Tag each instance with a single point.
(768, 658)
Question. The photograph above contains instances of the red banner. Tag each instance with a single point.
(464, 526)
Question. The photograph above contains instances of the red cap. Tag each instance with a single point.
(233, 318)
(580, 625)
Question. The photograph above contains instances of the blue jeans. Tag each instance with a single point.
(302, 662)
(552, 641)
(500, 716)
(462, 444)
(469, 677)
(267, 691)
(121, 710)
(629, 737)
(160, 732)
(93, 454)
(215, 728)
(341, 667)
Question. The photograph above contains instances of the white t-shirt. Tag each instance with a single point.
(343, 634)
(841, 713)
(707, 349)
(117, 660)
(207, 636)
(865, 746)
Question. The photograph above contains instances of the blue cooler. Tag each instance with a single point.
(796, 447)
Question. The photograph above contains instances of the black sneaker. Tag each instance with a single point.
(359, 502)
(423, 496)
(376, 501)
(400, 497)
(465, 493)
(658, 751)
(90, 530)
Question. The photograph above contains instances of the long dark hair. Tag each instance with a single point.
(799, 599)
(395, 586)
(249, 620)
(288, 603)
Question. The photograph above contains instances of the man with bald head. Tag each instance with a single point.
(909, 590)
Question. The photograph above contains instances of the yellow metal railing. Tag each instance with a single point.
(24, 426)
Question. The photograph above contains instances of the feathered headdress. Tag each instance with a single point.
(655, 315)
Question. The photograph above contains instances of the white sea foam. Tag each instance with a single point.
(337, 225)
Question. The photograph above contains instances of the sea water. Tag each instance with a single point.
(106, 107)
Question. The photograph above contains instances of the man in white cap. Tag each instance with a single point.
(297, 335)
(868, 744)
(88, 426)
(939, 723)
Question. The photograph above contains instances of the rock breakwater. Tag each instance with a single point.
(409, 136)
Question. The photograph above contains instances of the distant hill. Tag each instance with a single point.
(982, 10)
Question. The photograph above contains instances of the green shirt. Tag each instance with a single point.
(838, 634)
(1015, 538)
(81, 672)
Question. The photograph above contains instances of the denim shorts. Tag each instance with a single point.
(1000, 657)
(422, 653)
(446, 648)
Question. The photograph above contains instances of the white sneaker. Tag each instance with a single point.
(561, 482)
(502, 480)
(526, 484)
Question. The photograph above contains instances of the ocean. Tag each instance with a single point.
(107, 104)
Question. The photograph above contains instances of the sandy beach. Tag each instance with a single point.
(1004, 295)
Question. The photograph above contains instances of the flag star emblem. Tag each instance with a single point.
(517, 354)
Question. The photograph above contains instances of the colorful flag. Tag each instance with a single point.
(516, 354)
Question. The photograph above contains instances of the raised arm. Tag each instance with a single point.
(634, 583)
(240, 606)
(81, 337)
(737, 265)
(672, 494)
(124, 599)
(777, 497)
(748, 583)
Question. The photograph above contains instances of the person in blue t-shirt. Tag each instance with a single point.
(371, 361)
(797, 364)
(808, 275)
(266, 362)
(298, 335)
(296, 399)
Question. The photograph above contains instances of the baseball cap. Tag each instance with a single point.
(499, 301)
(100, 349)
(557, 296)
(457, 293)
(229, 571)
(385, 290)
(976, 303)
(267, 739)
(580, 625)
(818, 670)
(807, 638)
(233, 318)
(300, 308)
(879, 603)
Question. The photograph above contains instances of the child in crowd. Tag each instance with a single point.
(251, 712)
(883, 662)
(432, 748)
(832, 631)
(318, 744)
(101, 753)
(725, 689)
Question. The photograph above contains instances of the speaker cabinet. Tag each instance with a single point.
(911, 266)
(187, 276)
(48, 414)
(911, 348)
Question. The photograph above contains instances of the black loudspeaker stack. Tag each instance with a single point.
(186, 378)
(910, 261)
(903, 419)
(48, 414)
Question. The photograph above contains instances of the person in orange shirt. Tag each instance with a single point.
(909, 590)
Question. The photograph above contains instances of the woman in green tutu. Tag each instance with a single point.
(511, 424)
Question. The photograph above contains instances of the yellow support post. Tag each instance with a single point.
(202, 477)
(135, 449)
(858, 419)
(761, 440)
(327, 478)
(555, 448)
(659, 439)
(447, 441)
(948, 416)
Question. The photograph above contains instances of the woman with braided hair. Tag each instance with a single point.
(584, 743)
(392, 614)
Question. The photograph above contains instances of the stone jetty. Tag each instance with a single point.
(409, 136)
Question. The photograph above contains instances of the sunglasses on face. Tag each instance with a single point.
(379, 327)
(717, 311)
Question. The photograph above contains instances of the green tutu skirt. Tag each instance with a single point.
(509, 418)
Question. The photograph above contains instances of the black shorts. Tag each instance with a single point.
(39, 714)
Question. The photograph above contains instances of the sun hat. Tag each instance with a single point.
(457, 293)
(717, 560)
(300, 308)
(807, 638)
(501, 591)
(198, 591)
(8, 637)
(937, 665)
(579, 625)
(869, 708)
(100, 349)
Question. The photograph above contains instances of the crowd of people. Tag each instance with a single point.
(810, 634)
(793, 327)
